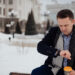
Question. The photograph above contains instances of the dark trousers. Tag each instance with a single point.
(45, 70)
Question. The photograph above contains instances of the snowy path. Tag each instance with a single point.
(17, 58)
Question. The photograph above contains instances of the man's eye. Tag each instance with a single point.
(66, 25)
(60, 26)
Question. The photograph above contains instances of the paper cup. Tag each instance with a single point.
(67, 70)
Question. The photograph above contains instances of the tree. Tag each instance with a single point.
(7, 30)
(48, 25)
(18, 29)
(30, 28)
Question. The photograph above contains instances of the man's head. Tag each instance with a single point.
(65, 20)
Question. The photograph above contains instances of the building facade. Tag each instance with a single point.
(54, 8)
(21, 8)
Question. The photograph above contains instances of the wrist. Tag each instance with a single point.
(57, 53)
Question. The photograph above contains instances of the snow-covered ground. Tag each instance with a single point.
(19, 54)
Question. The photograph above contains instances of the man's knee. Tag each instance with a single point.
(43, 70)
(35, 72)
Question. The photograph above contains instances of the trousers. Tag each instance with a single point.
(45, 70)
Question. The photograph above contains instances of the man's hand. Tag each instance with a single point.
(72, 72)
(65, 54)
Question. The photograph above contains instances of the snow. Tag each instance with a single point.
(19, 58)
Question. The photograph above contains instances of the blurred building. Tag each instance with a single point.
(54, 8)
(21, 9)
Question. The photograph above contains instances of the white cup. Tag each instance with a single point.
(66, 73)
(67, 70)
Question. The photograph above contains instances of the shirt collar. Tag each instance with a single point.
(63, 35)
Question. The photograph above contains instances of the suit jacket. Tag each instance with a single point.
(48, 43)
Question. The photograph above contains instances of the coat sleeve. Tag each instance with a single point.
(46, 45)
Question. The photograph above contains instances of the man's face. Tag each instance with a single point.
(65, 25)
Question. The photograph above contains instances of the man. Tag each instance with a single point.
(58, 44)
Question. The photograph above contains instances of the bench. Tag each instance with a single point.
(15, 73)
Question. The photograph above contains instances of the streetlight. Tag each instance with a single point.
(7, 28)
(46, 16)
(12, 15)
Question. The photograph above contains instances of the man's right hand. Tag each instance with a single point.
(65, 54)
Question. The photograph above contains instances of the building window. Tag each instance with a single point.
(10, 9)
(20, 2)
(10, 1)
(0, 10)
(0, 1)
(4, 11)
(3, 1)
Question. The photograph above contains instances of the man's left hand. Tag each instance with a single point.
(65, 54)
(72, 72)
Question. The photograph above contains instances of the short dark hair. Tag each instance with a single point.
(65, 13)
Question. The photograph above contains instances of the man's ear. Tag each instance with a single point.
(73, 21)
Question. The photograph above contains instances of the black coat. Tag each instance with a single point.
(48, 43)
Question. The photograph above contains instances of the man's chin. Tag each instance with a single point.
(66, 34)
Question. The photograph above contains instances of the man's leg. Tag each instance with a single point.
(43, 70)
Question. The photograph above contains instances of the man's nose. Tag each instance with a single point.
(63, 28)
